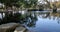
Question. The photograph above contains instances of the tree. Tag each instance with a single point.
(54, 8)
(19, 3)
(30, 3)
(48, 3)
(9, 3)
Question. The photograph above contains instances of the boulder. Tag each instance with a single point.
(20, 29)
(9, 27)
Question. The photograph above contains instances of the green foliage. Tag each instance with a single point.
(19, 3)
(31, 3)
(9, 2)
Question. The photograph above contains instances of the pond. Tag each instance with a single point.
(37, 21)
(44, 23)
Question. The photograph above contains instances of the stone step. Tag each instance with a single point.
(20, 29)
(9, 27)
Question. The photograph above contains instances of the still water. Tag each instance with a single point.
(45, 24)
(36, 21)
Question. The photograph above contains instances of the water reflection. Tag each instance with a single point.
(36, 21)
(50, 16)
(47, 22)
(31, 20)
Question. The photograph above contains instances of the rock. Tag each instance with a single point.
(9, 27)
(20, 29)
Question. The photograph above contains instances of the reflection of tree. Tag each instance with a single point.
(31, 21)
(54, 16)
(28, 20)
(49, 17)
(11, 18)
(45, 15)
(58, 20)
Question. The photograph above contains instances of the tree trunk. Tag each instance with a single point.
(54, 9)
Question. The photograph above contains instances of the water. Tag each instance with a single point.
(38, 22)
(45, 24)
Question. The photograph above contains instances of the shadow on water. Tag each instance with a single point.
(28, 20)
(11, 18)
